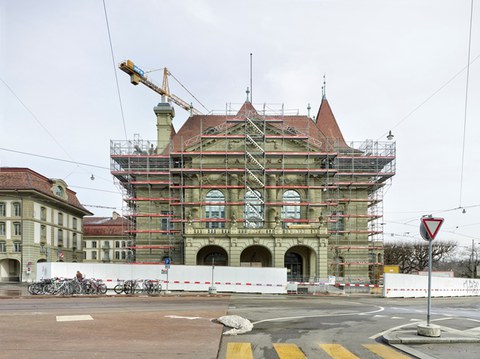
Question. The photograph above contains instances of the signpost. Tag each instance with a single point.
(167, 267)
(429, 227)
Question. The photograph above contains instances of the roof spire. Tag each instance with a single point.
(324, 87)
(248, 93)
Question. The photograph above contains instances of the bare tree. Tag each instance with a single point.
(413, 256)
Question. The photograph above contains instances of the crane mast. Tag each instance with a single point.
(137, 75)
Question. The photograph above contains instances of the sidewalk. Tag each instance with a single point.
(13, 289)
(456, 335)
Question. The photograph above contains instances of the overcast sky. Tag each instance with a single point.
(389, 65)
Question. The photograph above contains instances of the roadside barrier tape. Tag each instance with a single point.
(200, 282)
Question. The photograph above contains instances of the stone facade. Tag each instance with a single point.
(105, 239)
(256, 189)
(40, 220)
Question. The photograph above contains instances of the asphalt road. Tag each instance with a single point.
(111, 327)
(310, 323)
(181, 326)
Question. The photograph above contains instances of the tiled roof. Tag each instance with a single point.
(326, 126)
(327, 123)
(25, 179)
(105, 226)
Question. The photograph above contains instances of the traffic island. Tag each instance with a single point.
(429, 330)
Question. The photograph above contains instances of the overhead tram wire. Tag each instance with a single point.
(466, 103)
(35, 118)
(429, 97)
(115, 70)
(55, 158)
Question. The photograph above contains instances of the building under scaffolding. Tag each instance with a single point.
(256, 188)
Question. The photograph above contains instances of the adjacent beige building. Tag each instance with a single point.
(105, 239)
(40, 220)
(257, 187)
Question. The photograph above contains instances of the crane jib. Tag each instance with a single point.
(138, 70)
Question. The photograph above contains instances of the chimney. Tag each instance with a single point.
(165, 114)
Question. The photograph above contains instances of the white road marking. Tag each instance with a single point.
(318, 316)
(375, 336)
(73, 318)
(182, 317)
(398, 318)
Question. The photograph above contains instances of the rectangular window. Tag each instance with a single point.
(60, 237)
(74, 241)
(17, 209)
(17, 229)
(2, 209)
(94, 255)
(117, 244)
(74, 223)
(43, 213)
(166, 224)
(60, 219)
(338, 221)
(3, 247)
(43, 232)
(2, 228)
(17, 247)
(94, 244)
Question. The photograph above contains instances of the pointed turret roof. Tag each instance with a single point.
(247, 109)
(327, 123)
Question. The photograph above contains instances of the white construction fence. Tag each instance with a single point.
(177, 277)
(408, 286)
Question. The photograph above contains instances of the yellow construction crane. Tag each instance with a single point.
(137, 75)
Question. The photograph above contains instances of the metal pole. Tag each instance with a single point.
(429, 305)
(473, 258)
(213, 267)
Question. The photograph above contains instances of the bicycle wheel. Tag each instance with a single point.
(35, 288)
(102, 288)
(118, 289)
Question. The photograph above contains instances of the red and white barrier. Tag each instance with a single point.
(177, 277)
(408, 285)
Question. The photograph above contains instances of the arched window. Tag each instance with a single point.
(290, 209)
(253, 209)
(59, 191)
(215, 209)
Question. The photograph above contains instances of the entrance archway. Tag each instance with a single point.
(212, 254)
(10, 270)
(256, 256)
(299, 261)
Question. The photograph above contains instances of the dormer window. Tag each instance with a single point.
(59, 188)
(59, 191)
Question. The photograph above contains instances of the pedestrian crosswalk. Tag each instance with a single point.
(292, 351)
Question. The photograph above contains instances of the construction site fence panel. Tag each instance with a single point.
(177, 277)
(415, 286)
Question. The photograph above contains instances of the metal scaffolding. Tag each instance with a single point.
(252, 157)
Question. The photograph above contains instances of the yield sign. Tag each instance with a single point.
(432, 225)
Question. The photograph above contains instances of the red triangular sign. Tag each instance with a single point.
(432, 225)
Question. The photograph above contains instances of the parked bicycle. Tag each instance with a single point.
(152, 287)
(132, 286)
(129, 286)
(67, 286)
